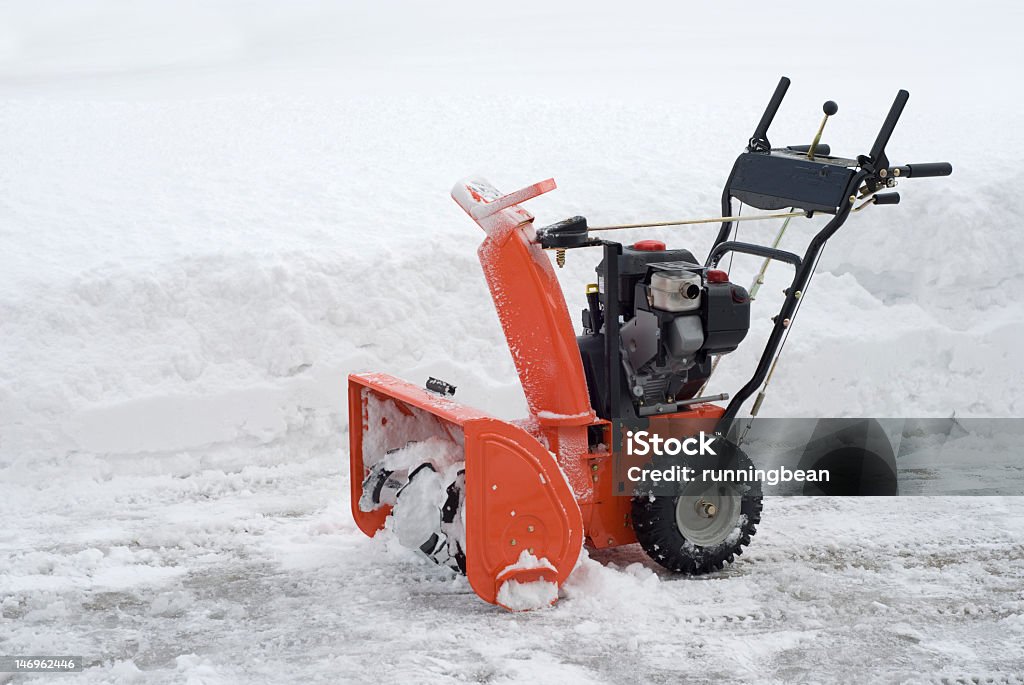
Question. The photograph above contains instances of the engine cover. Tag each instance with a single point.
(672, 321)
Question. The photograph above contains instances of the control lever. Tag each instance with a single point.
(922, 170)
(759, 141)
(879, 199)
(877, 154)
(822, 149)
(829, 108)
(565, 234)
(571, 232)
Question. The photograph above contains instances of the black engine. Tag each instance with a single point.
(674, 315)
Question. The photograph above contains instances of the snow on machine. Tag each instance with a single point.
(510, 504)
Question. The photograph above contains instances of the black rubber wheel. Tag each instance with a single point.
(658, 532)
(701, 525)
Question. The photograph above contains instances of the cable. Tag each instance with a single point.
(708, 220)
(735, 234)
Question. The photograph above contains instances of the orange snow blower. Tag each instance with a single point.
(511, 504)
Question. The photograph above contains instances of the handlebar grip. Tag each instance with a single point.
(926, 169)
(761, 132)
(822, 149)
(887, 199)
(878, 149)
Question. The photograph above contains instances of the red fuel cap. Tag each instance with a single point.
(649, 245)
(717, 276)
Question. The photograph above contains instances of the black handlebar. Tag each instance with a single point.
(922, 170)
(877, 153)
(721, 249)
(759, 140)
(771, 181)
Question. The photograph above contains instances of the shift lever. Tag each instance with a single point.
(829, 108)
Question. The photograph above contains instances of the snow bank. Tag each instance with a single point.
(143, 326)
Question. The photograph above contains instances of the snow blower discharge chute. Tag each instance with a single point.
(511, 504)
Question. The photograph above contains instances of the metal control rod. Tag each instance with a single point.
(710, 220)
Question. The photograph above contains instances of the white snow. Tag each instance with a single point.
(415, 516)
(211, 213)
(543, 414)
(527, 560)
(519, 595)
(404, 440)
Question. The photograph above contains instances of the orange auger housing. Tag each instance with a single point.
(518, 499)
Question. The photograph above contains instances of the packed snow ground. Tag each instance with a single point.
(210, 215)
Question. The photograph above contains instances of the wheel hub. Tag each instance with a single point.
(706, 509)
(708, 518)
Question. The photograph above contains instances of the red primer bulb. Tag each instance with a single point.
(717, 276)
(649, 245)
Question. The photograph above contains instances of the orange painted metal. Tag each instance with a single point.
(607, 515)
(516, 496)
(525, 576)
(368, 521)
(530, 304)
(700, 417)
(516, 500)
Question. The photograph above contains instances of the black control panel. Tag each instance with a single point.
(781, 178)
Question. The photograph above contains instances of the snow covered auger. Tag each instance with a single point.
(511, 504)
